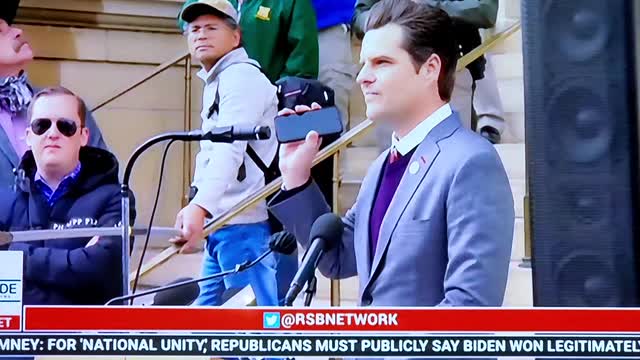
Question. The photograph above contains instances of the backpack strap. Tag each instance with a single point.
(215, 108)
(256, 159)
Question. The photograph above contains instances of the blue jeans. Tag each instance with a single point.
(232, 245)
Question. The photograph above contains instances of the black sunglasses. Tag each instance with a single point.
(66, 127)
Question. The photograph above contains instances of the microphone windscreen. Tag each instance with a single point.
(283, 242)
(178, 296)
(263, 132)
(329, 227)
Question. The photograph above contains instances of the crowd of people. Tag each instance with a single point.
(419, 233)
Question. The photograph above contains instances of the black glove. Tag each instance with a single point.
(283, 242)
(490, 134)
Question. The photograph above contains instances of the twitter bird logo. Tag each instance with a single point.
(271, 320)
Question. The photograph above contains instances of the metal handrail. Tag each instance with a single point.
(159, 69)
(259, 195)
(330, 150)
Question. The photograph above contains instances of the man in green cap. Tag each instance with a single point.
(281, 35)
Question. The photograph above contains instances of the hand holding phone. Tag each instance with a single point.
(296, 155)
(295, 127)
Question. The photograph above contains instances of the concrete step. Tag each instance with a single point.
(517, 247)
(518, 190)
(513, 132)
(155, 242)
(512, 95)
(507, 65)
(519, 292)
(355, 161)
(513, 159)
(509, 10)
(178, 266)
(368, 139)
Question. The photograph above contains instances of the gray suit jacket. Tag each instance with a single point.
(446, 237)
(9, 159)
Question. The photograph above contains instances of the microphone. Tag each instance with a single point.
(226, 134)
(281, 242)
(325, 231)
(180, 296)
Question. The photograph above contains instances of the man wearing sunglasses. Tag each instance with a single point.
(66, 184)
(16, 94)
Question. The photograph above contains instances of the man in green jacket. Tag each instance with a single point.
(469, 17)
(282, 35)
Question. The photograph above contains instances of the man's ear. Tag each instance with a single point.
(238, 37)
(27, 137)
(84, 134)
(431, 68)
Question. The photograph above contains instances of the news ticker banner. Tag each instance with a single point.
(282, 345)
(10, 290)
(354, 320)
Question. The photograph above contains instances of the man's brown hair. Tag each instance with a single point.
(426, 31)
(61, 90)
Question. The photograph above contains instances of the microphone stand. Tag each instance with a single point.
(222, 134)
(310, 291)
(239, 268)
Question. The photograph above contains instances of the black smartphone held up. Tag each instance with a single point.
(325, 122)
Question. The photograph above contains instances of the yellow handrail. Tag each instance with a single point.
(160, 68)
(487, 45)
(330, 150)
(258, 196)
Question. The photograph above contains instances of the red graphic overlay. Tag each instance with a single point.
(9, 323)
(357, 320)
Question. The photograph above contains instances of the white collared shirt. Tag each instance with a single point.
(420, 132)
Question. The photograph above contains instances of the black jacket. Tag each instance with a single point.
(61, 272)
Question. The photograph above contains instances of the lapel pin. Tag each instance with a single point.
(414, 167)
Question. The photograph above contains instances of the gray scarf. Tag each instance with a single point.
(15, 93)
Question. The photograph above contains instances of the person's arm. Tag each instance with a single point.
(479, 13)
(238, 84)
(299, 210)
(302, 41)
(479, 232)
(81, 268)
(360, 16)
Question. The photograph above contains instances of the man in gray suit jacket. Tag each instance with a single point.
(433, 222)
(16, 94)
